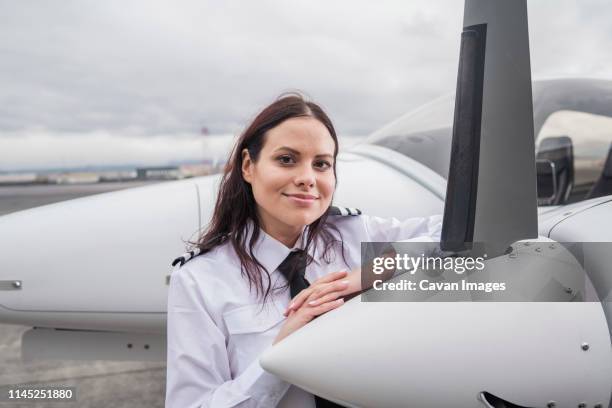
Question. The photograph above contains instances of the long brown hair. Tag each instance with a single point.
(236, 205)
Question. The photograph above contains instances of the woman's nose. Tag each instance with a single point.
(305, 176)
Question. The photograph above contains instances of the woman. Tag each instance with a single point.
(272, 232)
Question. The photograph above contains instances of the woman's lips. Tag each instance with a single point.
(301, 199)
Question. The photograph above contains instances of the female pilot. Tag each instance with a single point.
(273, 232)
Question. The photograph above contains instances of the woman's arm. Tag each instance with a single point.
(377, 229)
(302, 309)
(391, 229)
(338, 285)
(198, 367)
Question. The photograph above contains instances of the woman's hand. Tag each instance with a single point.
(326, 289)
(299, 318)
(323, 295)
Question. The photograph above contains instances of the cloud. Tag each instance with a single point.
(34, 149)
(165, 67)
(150, 68)
(570, 38)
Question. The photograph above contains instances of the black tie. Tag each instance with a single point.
(294, 268)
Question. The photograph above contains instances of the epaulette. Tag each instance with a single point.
(344, 211)
(186, 257)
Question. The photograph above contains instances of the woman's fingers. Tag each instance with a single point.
(297, 301)
(331, 288)
(324, 299)
(326, 307)
(314, 293)
(300, 313)
(308, 293)
(320, 306)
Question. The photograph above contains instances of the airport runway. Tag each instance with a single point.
(98, 383)
(21, 197)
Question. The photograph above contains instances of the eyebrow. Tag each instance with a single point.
(298, 153)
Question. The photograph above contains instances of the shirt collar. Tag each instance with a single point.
(271, 252)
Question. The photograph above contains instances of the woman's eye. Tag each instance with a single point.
(323, 165)
(285, 159)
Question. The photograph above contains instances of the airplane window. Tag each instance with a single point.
(591, 138)
(423, 134)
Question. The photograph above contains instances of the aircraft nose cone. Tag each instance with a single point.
(432, 354)
(316, 358)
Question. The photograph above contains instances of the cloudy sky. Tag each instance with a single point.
(111, 82)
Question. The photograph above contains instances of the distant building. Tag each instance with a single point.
(20, 178)
(122, 175)
(159, 173)
(196, 170)
(74, 178)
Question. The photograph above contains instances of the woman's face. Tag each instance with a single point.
(293, 179)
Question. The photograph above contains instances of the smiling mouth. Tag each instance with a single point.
(301, 196)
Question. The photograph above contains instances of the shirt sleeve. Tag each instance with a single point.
(198, 368)
(426, 229)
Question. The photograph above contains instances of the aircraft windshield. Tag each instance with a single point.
(434, 115)
(591, 137)
(423, 134)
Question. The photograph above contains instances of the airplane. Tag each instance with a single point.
(90, 275)
(527, 348)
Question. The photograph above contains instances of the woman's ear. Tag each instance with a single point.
(247, 166)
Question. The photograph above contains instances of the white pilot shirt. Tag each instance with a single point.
(217, 327)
